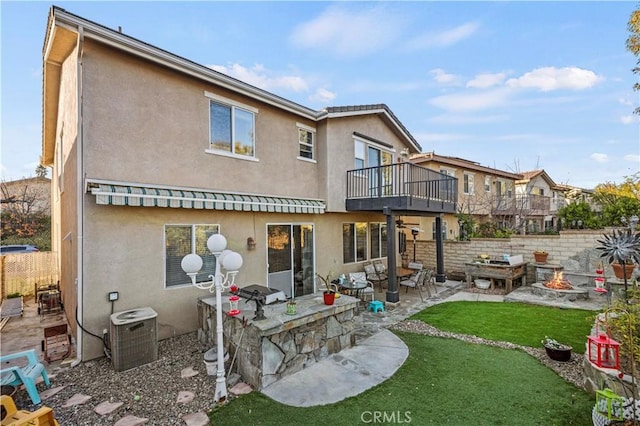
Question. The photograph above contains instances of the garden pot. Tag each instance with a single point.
(563, 355)
(618, 270)
(329, 298)
(540, 257)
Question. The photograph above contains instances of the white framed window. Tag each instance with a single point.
(444, 230)
(354, 242)
(487, 184)
(181, 240)
(231, 127)
(359, 155)
(306, 139)
(448, 172)
(468, 183)
(378, 240)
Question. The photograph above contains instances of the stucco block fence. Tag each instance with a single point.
(573, 249)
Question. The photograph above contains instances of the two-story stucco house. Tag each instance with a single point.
(151, 153)
(538, 200)
(484, 193)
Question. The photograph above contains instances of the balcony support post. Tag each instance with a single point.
(440, 275)
(393, 296)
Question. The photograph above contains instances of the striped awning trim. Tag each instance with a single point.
(140, 196)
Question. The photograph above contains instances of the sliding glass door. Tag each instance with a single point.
(290, 258)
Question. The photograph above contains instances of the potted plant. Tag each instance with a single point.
(330, 291)
(555, 350)
(621, 247)
(540, 256)
(291, 307)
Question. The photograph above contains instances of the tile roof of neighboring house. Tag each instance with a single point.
(118, 40)
(462, 163)
(532, 174)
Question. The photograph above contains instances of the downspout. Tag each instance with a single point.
(80, 204)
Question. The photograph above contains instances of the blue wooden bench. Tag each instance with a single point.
(24, 374)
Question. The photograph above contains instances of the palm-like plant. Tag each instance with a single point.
(621, 246)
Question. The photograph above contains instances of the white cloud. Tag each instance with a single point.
(444, 38)
(472, 101)
(323, 96)
(628, 119)
(625, 101)
(551, 78)
(599, 157)
(260, 77)
(486, 80)
(349, 32)
(635, 158)
(444, 78)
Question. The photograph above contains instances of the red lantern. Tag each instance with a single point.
(604, 351)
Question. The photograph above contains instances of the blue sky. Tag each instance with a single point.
(516, 86)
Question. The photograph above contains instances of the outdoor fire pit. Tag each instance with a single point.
(560, 289)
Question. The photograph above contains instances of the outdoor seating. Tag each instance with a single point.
(429, 282)
(13, 416)
(24, 374)
(372, 272)
(415, 281)
(362, 286)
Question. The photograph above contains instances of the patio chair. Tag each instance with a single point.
(361, 278)
(13, 416)
(414, 281)
(373, 275)
(429, 282)
(24, 374)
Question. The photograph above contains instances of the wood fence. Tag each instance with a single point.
(21, 272)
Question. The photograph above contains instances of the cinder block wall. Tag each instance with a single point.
(574, 249)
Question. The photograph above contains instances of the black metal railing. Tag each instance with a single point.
(401, 180)
(522, 204)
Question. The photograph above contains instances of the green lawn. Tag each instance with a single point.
(519, 323)
(447, 381)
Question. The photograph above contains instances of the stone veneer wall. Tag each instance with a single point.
(574, 249)
(282, 345)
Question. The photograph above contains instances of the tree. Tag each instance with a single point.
(41, 171)
(579, 211)
(25, 213)
(633, 45)
(618, 200)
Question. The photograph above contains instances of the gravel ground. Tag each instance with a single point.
(151, 391)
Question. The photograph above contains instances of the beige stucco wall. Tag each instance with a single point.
(64, 186)
(151, 125)
(340, 147)
(124, 251)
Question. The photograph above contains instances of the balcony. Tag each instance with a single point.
(529, 205)
(405, 188)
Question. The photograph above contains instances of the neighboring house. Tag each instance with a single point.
(538, 199)
(151, 153)
(484, 193)
(573, 194)
(28, 195)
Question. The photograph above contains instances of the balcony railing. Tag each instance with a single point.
(523, 204)
(402, 180)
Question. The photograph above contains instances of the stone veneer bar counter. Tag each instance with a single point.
(281, 344)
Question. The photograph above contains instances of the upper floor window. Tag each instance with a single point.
(370, 155)
(487, 184)
(448, 172)
(468, 183)
(232, 129)
(181, 240)
(306, 138)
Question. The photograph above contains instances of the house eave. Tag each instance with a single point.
(117, 40)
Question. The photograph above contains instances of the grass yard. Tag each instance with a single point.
(519, 323)
(447, 381)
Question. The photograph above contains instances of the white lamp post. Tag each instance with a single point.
(232, 262)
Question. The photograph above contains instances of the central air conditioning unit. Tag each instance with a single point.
(134, 338)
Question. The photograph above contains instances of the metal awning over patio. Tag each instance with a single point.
(146, 196)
